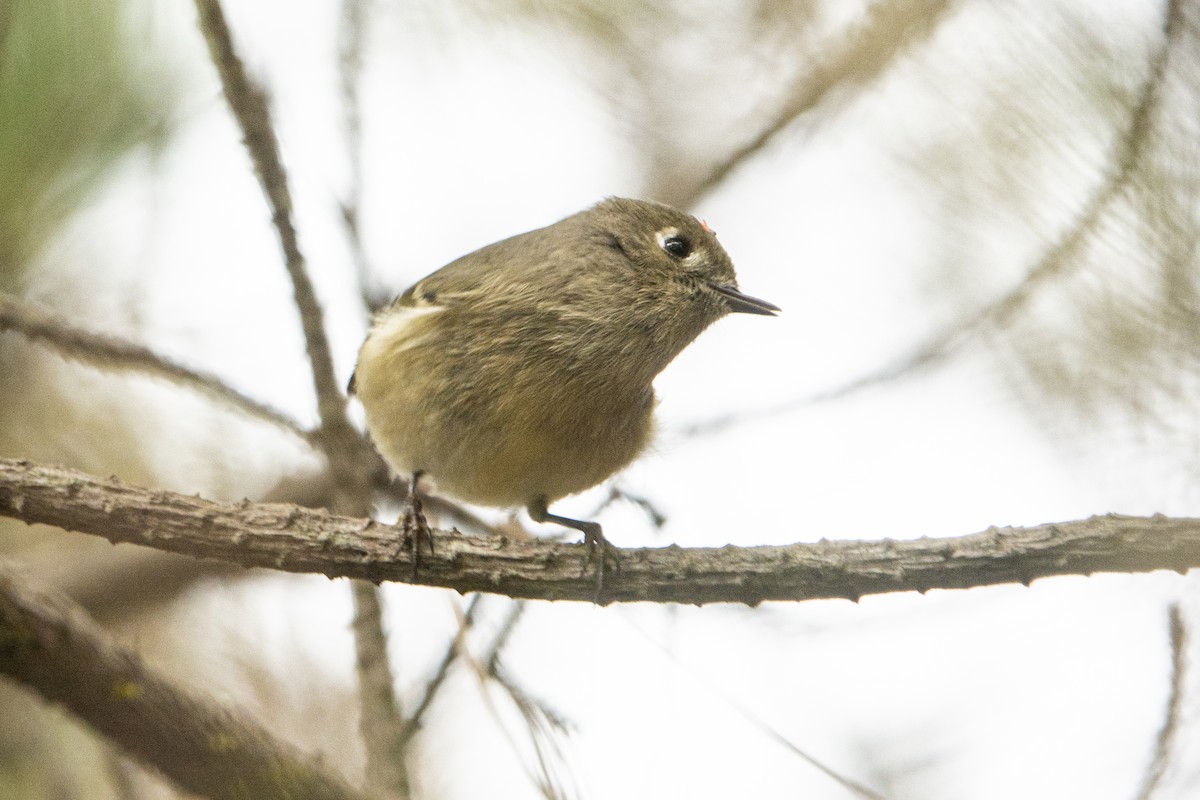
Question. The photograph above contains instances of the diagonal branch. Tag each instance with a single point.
(296, 539)
(435, 683)
(112, 353)
(1170, 727)
(50, 645)
(350, 455)
(248, 102)
(889, 29)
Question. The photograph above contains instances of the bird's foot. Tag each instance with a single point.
(601, 552)
(415, 526)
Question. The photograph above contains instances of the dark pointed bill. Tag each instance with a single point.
(744, 303)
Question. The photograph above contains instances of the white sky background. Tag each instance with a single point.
(1054, 691)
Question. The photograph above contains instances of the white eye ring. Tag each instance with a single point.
(674, 244)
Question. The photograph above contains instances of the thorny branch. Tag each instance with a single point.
(297, 539)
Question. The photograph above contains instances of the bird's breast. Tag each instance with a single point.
(500, 419)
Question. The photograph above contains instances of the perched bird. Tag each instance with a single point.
(522, 372)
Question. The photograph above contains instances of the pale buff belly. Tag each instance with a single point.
(497, 444)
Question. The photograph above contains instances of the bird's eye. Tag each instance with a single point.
(677, 246)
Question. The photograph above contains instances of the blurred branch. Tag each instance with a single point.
(351, 456)
(50, 645)
(118, 584)
(375, 679)
(1166, 735)
(491, 663)
(81, 89)
(547, 731)
(111, 353)
(546, 727)
(297, 539)
(765, 728)
(413, 723)
(1057, 259)
(250, 108)
(351, 36)
(888, 29)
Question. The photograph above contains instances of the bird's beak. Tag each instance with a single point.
(744, 303)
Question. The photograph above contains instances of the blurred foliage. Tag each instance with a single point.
(1083, 156)
(79, 89)
(1058, 161)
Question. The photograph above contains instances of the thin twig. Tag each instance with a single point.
(759, 723)
(413, 723)
(352, 35)
(304, 540)
(106, 352)
(1170, 727)
(888, 29)
(51, 646)
(491, 662)
(642, 503)
(544, 724)
(547, 730)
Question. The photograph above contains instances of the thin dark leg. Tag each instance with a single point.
(414, 524)
(593, 535)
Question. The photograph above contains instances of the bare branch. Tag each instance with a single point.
(763, 726)
(350, 455)
(386, 766)
(112, 353)
(304, 540)
(50, 645)
(491, 663)
(1166, 735)
(248, 102)
(890, 27)
(453, 650)
(351, 37)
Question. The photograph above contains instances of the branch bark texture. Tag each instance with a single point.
(50, 645)
(297, 539)
(348, 451)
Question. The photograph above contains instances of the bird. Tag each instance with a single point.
(523, 372)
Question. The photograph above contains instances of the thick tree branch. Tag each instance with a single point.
(303, 540)
(50, 645)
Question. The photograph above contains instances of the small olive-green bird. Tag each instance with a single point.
(522, 372)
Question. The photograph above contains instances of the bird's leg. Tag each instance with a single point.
(600, 549)
(414, 524)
